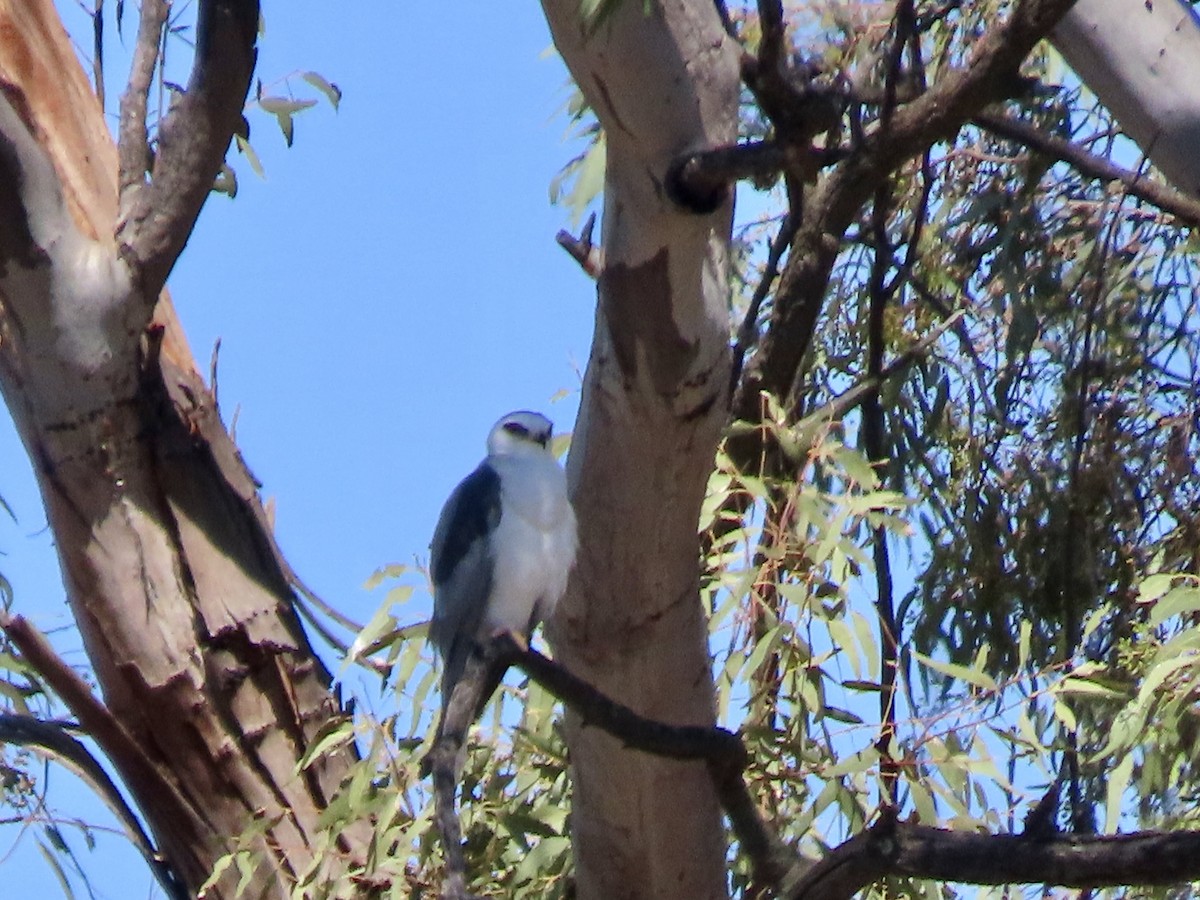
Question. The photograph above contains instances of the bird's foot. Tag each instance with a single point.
(521, 641)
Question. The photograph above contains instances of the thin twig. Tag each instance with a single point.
(747, 336)
(873, 444)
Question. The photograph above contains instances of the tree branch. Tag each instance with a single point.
(747, 335)
(136, 770)
(991, 75)
(1166, 198)
(638, 732)
(53, 741)
(873, 432)
(891, 847)
(695, 180)
(581, 249)
(133, 147)
(158, 216)
(723, 750)
(772, 860)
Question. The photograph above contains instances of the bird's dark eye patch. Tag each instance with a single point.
(516, 428)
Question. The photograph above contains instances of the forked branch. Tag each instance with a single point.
(157, 216)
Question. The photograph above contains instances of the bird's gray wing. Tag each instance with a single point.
(461, 564)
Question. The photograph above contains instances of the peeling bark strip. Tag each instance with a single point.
(181, 596)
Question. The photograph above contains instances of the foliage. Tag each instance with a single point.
(515, 792)
(1039, 483)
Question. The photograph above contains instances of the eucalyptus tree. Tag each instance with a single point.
(956, 273)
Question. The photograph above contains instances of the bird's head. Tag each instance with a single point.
(520, 432)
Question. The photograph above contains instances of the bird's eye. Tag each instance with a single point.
(516, 428)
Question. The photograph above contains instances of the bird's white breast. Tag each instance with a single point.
(534, 543)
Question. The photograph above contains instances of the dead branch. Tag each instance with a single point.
(581, 249)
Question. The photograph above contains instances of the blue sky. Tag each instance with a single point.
(389, 290)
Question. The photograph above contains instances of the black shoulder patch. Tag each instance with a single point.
(472, 511)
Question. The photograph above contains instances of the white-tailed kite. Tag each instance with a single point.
(503, 546)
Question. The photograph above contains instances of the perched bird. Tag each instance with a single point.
(503, 546)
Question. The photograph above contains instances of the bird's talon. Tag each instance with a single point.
(516, 637)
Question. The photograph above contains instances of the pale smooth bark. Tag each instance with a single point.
(1142, 59)
(663, 80)
(167, 557)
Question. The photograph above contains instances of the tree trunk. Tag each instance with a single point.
(663, 79)
(1143, 61)
(167, 557)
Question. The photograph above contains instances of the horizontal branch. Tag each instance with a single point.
(894, 848)
(699, 181)
(636, 731)
(1178, 204)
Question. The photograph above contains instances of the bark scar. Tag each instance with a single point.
(637, 306)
